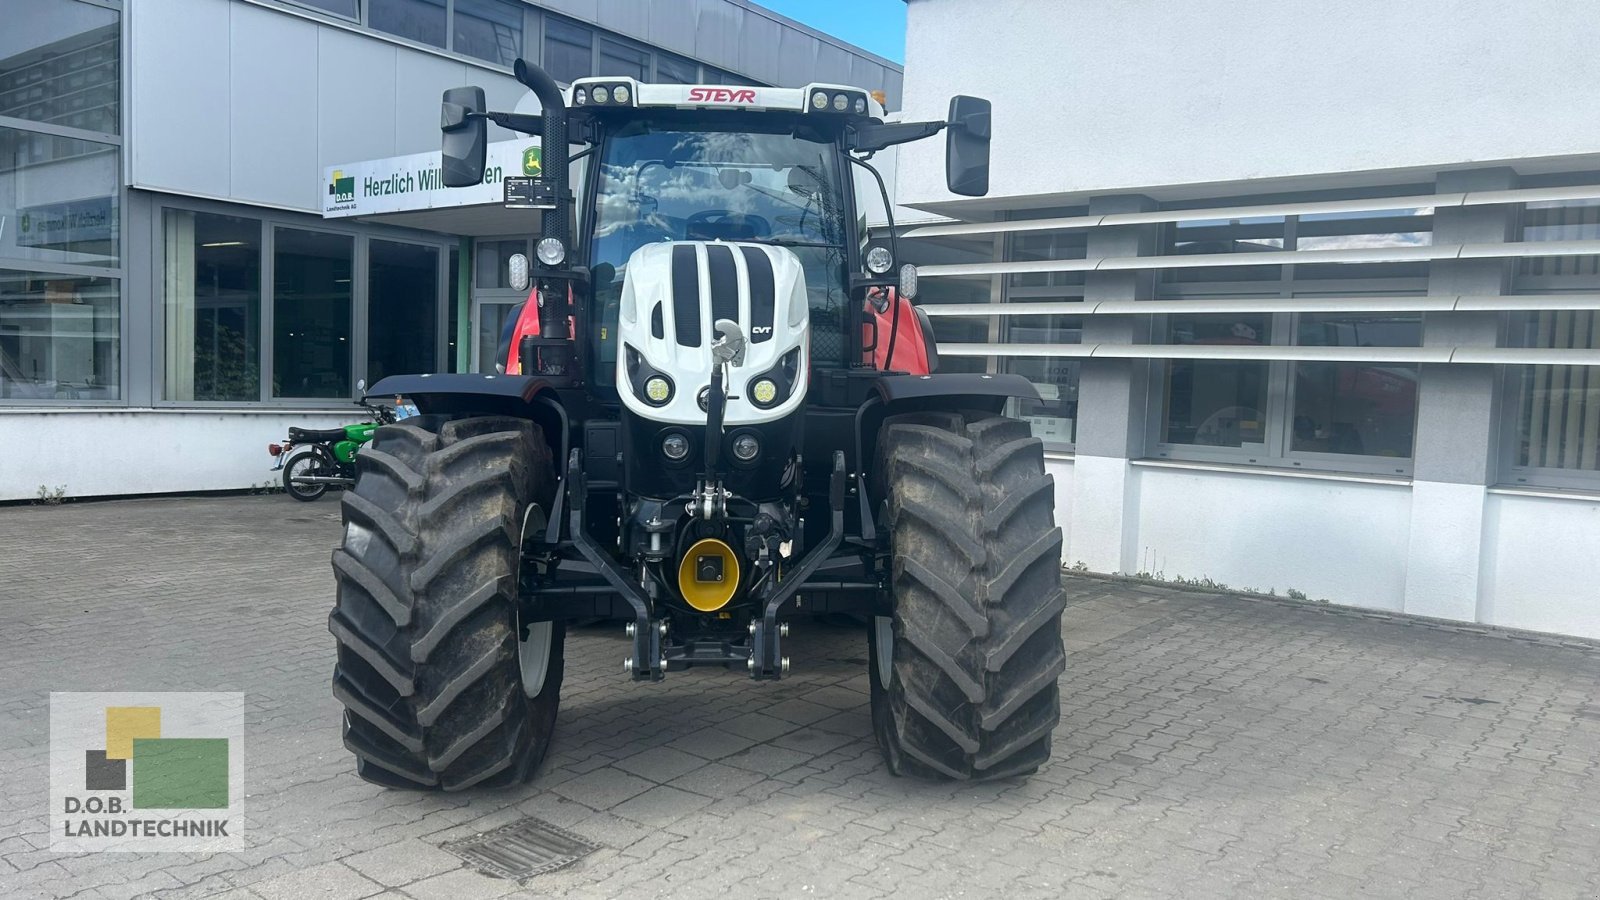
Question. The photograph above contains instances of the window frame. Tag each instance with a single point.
(1508, 381)
(118, 272)
(270, 220)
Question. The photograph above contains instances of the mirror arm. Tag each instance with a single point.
(517, 122)
(872, 138)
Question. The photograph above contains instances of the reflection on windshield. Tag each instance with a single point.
(660, 183)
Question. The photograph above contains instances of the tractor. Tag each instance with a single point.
(718, 413)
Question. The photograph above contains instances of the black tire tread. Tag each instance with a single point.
(973, 691)
(426, 619)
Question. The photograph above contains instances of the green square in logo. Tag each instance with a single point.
(180, 773)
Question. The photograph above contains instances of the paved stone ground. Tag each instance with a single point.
(1209, 746)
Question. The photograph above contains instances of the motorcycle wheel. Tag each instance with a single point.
(306, 462)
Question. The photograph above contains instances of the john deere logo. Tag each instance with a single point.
(342, 187)
(532, 161)
(145, 771)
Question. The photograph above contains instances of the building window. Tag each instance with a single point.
(422, 21)
(1557, 413)
(311, 308)
(1339, 415)
(1045, 245)
(620, 59)
(58, 199)
(59, 336)
(676, 70)
(1566, 220)
(402, 309)
(489, 30)
(1054, 416)
(1216, 403)
(1361, 409)
(60, 65)
(492, 319)
(212, 288)
(568, 50)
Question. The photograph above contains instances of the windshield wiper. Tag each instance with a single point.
(788, 242)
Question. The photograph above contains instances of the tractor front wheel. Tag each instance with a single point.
(964, 675)
(443, 686)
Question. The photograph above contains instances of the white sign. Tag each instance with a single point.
(403, 183)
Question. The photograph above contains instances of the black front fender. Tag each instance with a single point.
(520, 396)
(956, 390)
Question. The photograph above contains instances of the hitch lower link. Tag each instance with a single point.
(648, 661)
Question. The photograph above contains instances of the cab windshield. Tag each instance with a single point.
(665, 180)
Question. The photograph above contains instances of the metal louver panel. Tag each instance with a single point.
(1320, 207)
(1439, 303)
(1378, 355)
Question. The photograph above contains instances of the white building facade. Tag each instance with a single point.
(173, 296)
(1312, 292)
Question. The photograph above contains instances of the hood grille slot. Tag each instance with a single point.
(763, 295)
(686, 295)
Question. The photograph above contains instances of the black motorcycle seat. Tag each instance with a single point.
(315, 436)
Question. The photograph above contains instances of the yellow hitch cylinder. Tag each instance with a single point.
(708, 576)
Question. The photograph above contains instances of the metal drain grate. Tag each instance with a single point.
(522, 849)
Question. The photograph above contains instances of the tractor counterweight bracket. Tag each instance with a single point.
(766, 658)
(647, 663)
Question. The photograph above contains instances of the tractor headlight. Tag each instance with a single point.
(580, 97)
(657, 390)
(746, 447)
(764, 392)
(819, 100)
(861, 105)
(551, 251)
(675, 447)
(601, 95)
(879, 260)
(620, 93)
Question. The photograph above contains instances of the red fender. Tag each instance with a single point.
(910, 344)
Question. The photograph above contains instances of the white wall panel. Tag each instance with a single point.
(274, 75)
(356, 113)
(1541, 570)
(156, 452)
(420, 80)
(760, 41)
(1101, 96)
(179, 133)
(672, 25)
(1341, 541)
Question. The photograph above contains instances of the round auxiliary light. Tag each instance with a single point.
(551, 251)
(879, 260)
(745, 447)
(601, 95)
(580, 97)
(657, 390)
(704, 399)
(763, 392)
(841, 102)
(861, 105)
(620, 93)
(675, 447)
(819, 100)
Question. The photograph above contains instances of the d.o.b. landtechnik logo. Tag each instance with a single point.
(146, 772)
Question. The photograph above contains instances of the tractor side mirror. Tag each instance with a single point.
(465, 143)
(966, 157)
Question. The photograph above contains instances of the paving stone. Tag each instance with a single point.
(403, 862)
(329, 881)
(1209, 746)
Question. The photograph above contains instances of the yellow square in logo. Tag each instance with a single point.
(125, 723)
